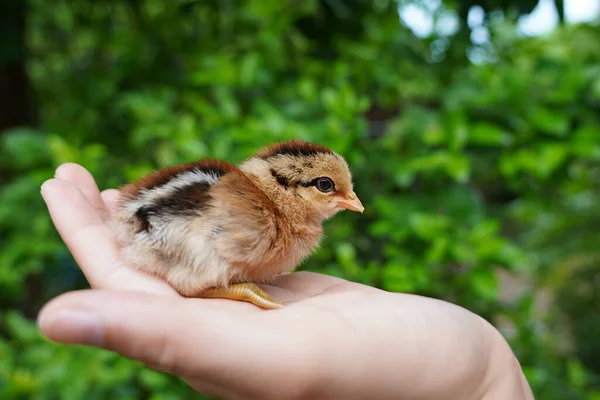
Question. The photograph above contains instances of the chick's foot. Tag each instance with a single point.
(248, 292)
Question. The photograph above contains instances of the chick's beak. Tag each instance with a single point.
(351, 202)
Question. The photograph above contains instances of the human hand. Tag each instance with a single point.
(334, 339)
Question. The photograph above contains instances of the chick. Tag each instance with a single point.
(212, 229)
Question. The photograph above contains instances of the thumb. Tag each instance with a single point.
(185, 337)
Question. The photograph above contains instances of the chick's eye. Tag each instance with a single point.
(324, 185)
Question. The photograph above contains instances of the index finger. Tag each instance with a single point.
(85, 182)
(91, 242)
(110, 198)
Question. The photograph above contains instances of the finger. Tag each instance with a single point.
(91, 242)
(81, 228)
(84, 181)
(190, 338)
(110, 197)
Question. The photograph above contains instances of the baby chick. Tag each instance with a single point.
(211, 229)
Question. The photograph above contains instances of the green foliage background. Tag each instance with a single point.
(478, 179)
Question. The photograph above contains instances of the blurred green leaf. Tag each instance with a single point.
(577, 374)
(548, 121)
(429, 226)
(484, 282)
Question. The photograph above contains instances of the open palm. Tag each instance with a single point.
(333, 339)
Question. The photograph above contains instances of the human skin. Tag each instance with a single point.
(334, 339)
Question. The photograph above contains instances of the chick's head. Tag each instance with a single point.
(310, 174)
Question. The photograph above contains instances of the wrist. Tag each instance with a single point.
(505, 378)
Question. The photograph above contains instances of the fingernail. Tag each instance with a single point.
(73, 326)
(44, 185)
(58, 170)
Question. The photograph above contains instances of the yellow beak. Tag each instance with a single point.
(352, 203)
